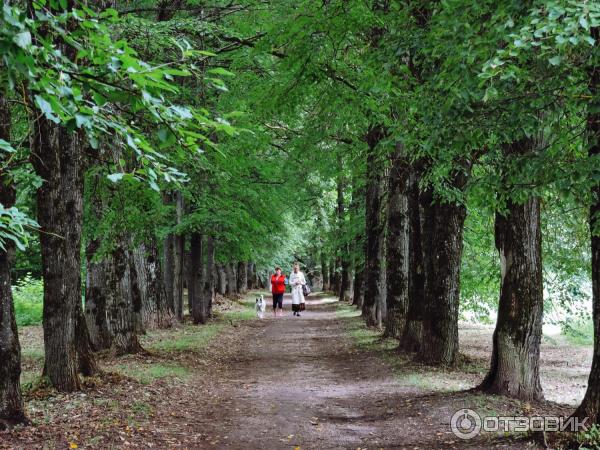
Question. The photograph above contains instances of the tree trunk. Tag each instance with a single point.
(208, 287)
(95, 298)
(397, 255)
(169, 270)
(325, 273)
(122, 284)
(374, 231)
(412, 336)
(242, 277)
(440, 327)
(95, 283)
(590, 405)
(332, 275)
(514, 369)
(344, 276)
(178, 254)
(56, 156)
(251, 276)
(231, 278)
(195, 278)
(222, 281)
(12, 410)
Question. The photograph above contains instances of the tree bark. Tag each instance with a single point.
(440, 327)
(208, 287)
(251, 271)
(12, 410)
(95, 298)
(230, 270)
(222, 279)
(374, 231)
(412, 336)
(122, 285)
(178, 254)
(242, 277)
(590, 405)
(195, 278)
(514, 369)
(344, 276)
(397, 255)
(57, 158)
(325, 273)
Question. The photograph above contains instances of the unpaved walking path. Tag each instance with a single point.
(301, 382)
(320, 381)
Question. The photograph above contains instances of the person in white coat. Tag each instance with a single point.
(297, 280)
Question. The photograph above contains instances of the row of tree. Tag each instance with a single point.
(431, 116)
(116, 122)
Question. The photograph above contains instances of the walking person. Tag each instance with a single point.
(297, 281)
(278, 281)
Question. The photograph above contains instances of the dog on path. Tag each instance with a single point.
(260, 307)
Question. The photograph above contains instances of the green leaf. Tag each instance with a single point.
(5, 146)
(221, 71)
(23, 39)
(555, 60)
(116, 177)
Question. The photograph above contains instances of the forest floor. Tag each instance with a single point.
(313, 382)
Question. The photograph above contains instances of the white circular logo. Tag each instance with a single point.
(465, 424)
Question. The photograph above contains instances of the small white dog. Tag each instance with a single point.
(260, 307)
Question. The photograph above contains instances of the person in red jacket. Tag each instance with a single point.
(278, 289)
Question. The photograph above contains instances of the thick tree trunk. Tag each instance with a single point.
(123, 295)
(374, 232)
(230, 270)
(514, 367)
(95, 283)
(57, 159)
(325, 273)
(590, 405)
(222, 279)
(169, 270)
(95, 298)
(242, 277)
(178, 254)
(195, 278)
(344, 275)
(155, 312)
(208, 286)
(358, 287)
(440, 327)
(12, 410)
(251, 271)
(412, 336)
(397, 254)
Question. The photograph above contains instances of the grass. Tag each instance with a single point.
(146, 374)
(194, 337)
(28, 294)
(372, 340)
(579, 332)
(187, 338)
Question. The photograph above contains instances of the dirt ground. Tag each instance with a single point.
(319, 381)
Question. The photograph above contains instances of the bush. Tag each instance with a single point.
(28, 295)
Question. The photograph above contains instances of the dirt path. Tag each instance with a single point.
(320, 381)
(301, 382)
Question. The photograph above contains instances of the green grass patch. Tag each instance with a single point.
(189, 337)
(579, 332)
(33, 354)
(239, 315)
(194, 337)
(28, 296)
(146, 374)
